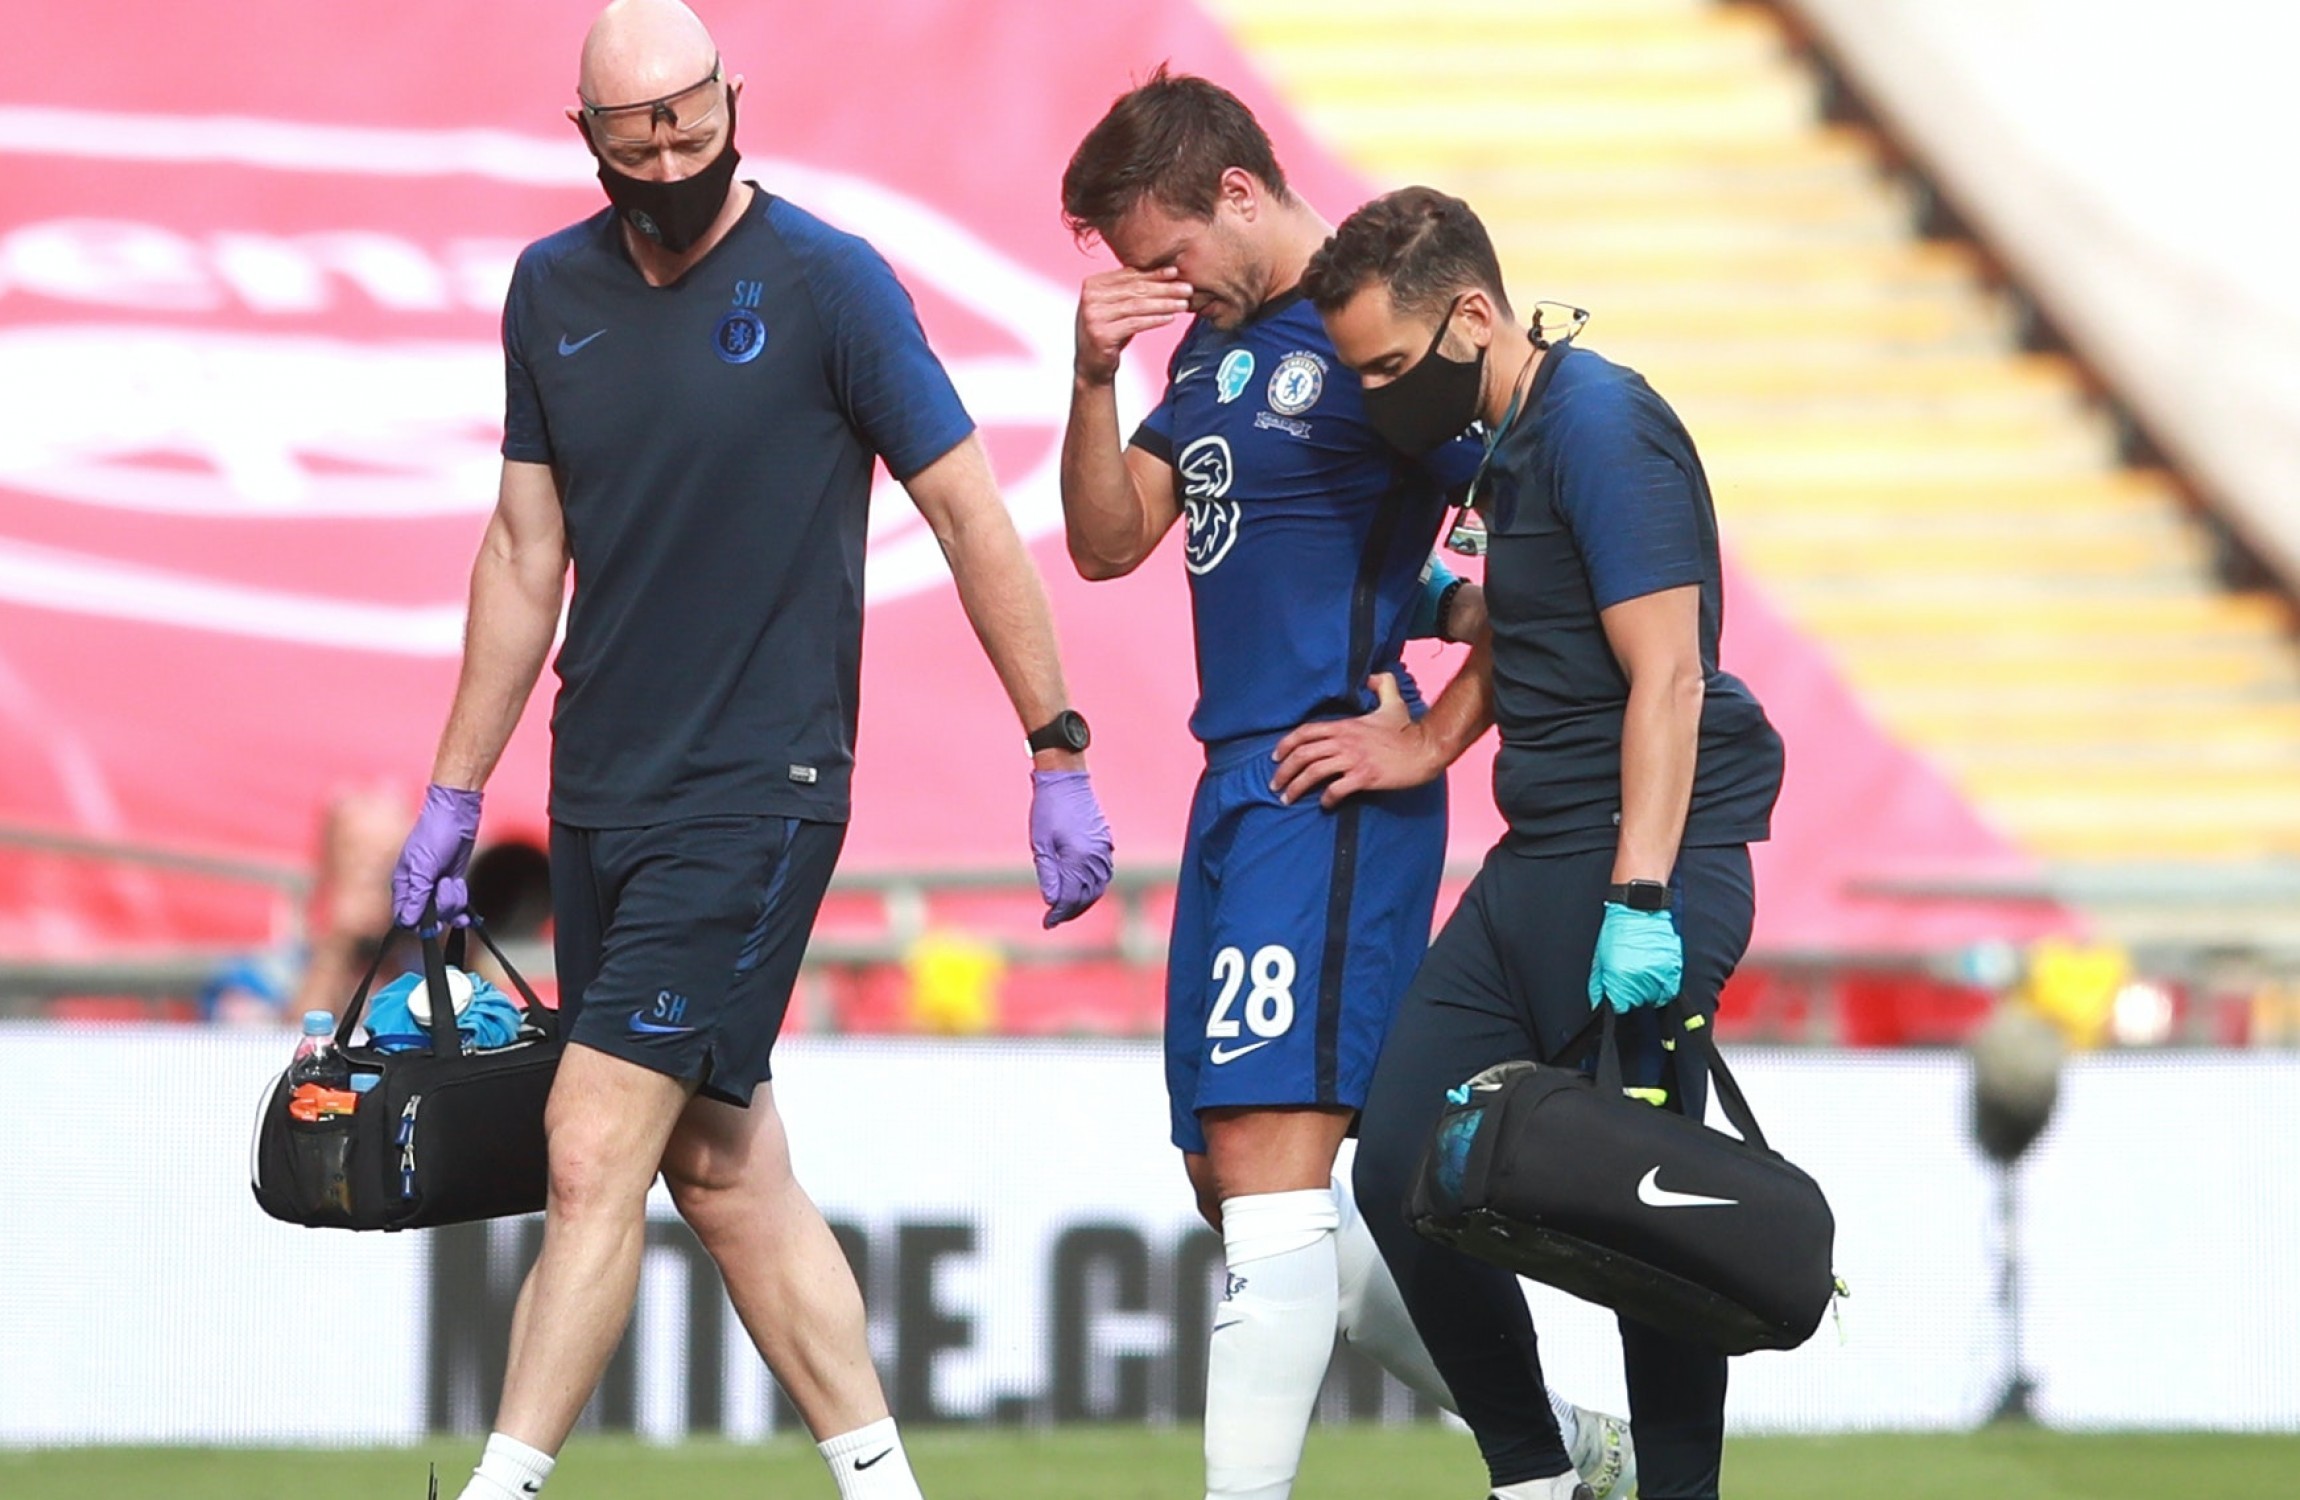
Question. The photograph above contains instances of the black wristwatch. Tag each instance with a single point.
(1067, 732)
(1445, 608)
(1640, 895)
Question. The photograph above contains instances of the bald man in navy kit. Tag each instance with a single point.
(699, 380)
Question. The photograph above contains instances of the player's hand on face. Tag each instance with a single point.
(1384, 751)
(1116, 306)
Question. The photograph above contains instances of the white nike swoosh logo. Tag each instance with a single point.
(567, 348)
(1653, 1195)
(1182, 375)
(1218, 1056)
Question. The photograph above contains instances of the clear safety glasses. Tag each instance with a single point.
(690, 113)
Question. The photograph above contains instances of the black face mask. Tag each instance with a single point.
(1430, 403)
(674, 214)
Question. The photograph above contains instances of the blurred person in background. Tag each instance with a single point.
(1297, 924)
(351, 908)
(348, 913)
(699, 378)
(1633, 773)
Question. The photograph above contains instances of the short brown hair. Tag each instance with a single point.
(1171, 139)
(1425, 246)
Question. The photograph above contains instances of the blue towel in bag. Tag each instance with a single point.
(490, 1020)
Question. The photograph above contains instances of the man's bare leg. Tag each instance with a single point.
(730, 1174)
(729, 1171)
(608, 1122)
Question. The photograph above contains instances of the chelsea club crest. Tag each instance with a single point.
(1296, 384)
(739, 336)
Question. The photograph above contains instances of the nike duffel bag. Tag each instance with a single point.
(1553, 1173)
(438, 1135)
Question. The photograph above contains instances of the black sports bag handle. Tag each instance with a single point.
(445, 1041)
(1695, 1047)
(1694, 1050)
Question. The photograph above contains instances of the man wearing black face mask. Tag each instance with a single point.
(699, 380)
(1634, 775)
(1306, 540)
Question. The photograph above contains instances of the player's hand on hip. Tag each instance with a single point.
(432, 863)
(1383, 751)
(1069, 842)
(1115, 306)
(1640, 959)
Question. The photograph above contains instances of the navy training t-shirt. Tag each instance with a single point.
(1595, 497)
(1305, 532)
(713, 443)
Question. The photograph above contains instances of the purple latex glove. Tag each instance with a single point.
(1069, 842)
(436, 855)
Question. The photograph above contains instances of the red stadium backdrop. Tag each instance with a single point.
(251, 257)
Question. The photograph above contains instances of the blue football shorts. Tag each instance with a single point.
(1295, 932)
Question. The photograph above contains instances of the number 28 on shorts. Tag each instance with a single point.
(1268, 982)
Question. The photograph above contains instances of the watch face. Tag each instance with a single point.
(1067, 732)
(1644, 895)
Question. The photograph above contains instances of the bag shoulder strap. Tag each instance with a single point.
(446, 1040)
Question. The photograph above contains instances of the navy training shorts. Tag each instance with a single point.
(678, 944)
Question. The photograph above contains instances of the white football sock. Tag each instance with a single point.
(869, 1463)
(1373, 1316)
(1273, 1335)
(508, 1470)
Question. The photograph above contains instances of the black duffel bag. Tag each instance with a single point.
(442, 1136)
(1554, 1174)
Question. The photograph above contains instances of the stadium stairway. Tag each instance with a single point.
(1945, 511)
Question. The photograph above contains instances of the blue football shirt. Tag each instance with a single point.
(1305, 532)
(713, 442)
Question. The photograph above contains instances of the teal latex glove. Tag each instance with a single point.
(1640, 959)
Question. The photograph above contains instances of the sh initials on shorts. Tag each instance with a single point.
(666, 1017)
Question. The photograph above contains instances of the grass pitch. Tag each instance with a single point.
(1135, 1464)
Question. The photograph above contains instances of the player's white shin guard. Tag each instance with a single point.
(1273, 1335)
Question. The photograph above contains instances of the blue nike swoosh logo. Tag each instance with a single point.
(567, 348)
(656, 1028)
